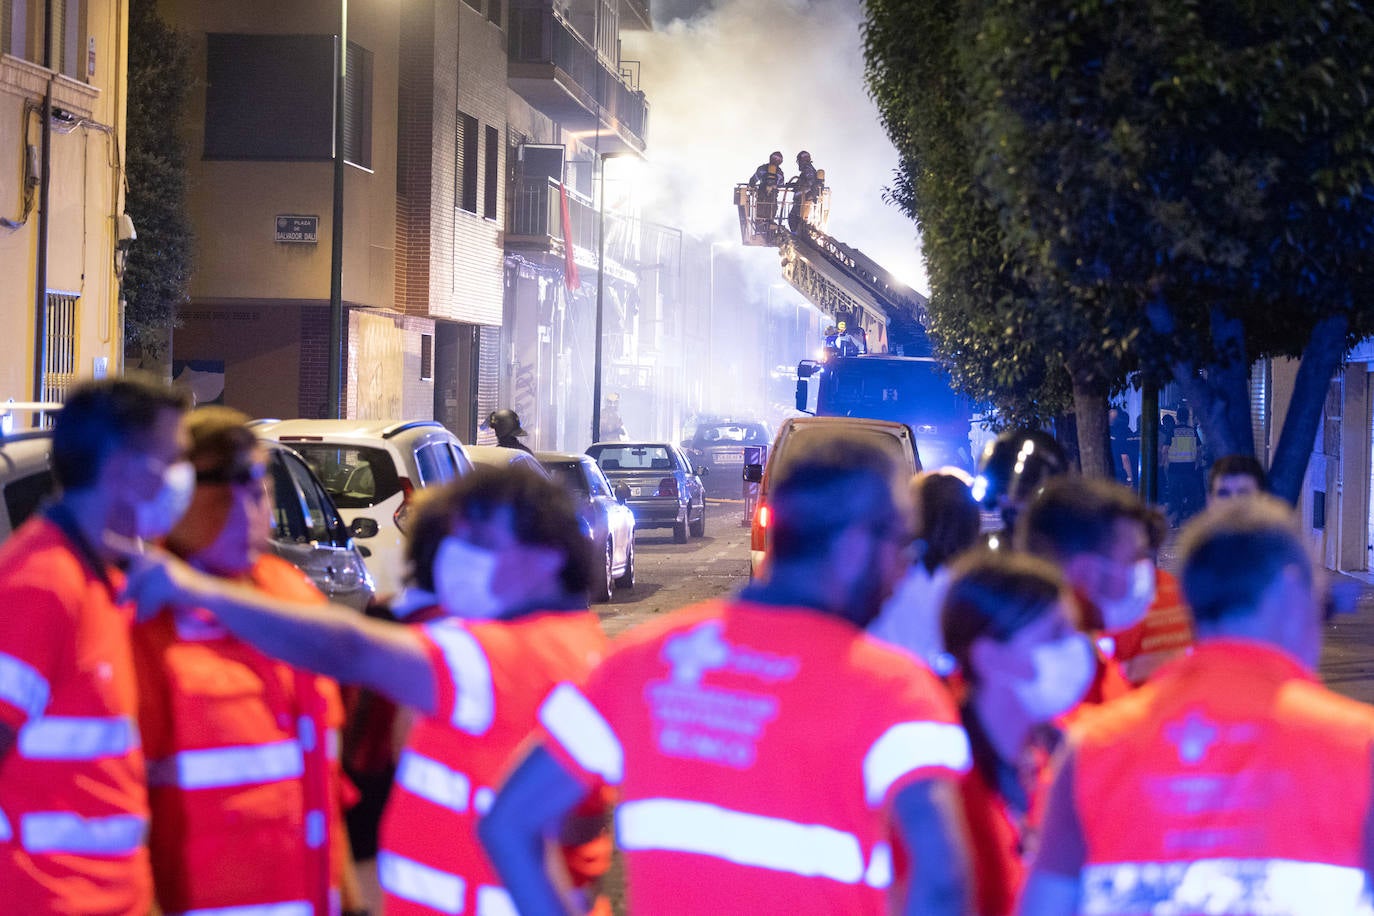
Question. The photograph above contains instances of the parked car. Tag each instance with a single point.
(371, 468)
(307, 529)
(719, 446)
(607, 521)
(665, 490)
(796, 435)
(497, 456)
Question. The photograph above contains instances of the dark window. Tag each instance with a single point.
(358, 107)
(426, 357)
(66, 38)
(357, 477)
(7, 44)
(494, 11)
(475, 4)
(24, 495)
(435, 464)
(466, 163)
(491, 174)
(269, 97)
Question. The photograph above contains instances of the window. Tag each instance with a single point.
(59, 363)
(465, 197)
(270, 97)
(426, 357)
(491, 173)
(358, 107)
(435, 464)
(66, 37)
(7, 43)
(475, 4)
(494, 11)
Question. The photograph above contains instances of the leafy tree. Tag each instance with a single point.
(157, 274)
(1200, 176)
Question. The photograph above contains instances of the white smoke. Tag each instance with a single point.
(738, 79)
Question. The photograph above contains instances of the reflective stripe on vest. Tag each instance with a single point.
(62, 831)
(410, 880)
(333, 741)
(475, 706)
(21, 685)
(809, 850)
(495, 901)
(293, 908)
(1224, 887)
(433, 781)
(77, 737)
(910, 746)
(222, 767)
(585, 734)
(6, 831)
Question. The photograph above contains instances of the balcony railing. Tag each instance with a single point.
(536, 212)
(539, 36)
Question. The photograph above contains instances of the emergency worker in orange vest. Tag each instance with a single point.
(1232, 781)
(769, 756)
(242, 750)
(1166, 630)
(515, 564)
(1008, 624)
(1099, 533)
(73, 804)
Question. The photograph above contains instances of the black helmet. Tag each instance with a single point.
(803, 156)
(505, 422)
(775, 157)
(1014, 466)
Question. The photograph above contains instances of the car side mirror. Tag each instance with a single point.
(753, 473)
(364, 527)
(622, 493)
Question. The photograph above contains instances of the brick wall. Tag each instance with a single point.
(414, 157)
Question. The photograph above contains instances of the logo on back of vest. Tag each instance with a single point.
(708, 723)
(1192, 737)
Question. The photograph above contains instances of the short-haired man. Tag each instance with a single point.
(73, 803)
(1232, 782)
(1102, 536)
(1234, 476)
(513, 561)
(765, 750)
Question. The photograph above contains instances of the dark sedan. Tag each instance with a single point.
(608, 523)
(719, 446)
(665, 489)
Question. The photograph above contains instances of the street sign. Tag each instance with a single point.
(298, 229)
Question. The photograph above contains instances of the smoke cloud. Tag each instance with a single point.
(731, 81)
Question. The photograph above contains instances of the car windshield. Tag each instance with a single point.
(568, 475)
(733, 434)
(633, 457)
(357, 477)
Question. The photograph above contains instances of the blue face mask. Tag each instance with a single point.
(463, 577)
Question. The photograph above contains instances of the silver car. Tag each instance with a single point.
(607, 521)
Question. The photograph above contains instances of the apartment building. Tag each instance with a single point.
(59, 271)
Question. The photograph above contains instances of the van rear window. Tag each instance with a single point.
(356, 476)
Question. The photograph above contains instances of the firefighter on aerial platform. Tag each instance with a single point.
(765, 183)
(806, 191)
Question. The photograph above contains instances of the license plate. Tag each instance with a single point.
(640, 491)
(729, 457)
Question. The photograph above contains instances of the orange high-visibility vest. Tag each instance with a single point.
(242, 765)
(73, 808)
(1230, 783)
(491, 678)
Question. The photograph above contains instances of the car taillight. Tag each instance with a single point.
(668, 487)
(402, 516)
(758, 535)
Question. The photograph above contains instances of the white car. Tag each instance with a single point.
(606, 520)
(371, 468)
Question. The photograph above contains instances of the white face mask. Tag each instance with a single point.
(154, 517)
(1063, 672)
(1125, 612)
(462, 580)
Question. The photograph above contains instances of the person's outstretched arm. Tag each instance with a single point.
(530, 808)
(1053, 887)
(328, 639)
(930, 823)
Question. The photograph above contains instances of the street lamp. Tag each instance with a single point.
(600, 288)
(335, 363)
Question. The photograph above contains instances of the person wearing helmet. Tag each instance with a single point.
(1013, 467)
(506, 424)
(806, 190)
(766, 181)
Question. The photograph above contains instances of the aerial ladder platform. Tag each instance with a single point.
(839, 280)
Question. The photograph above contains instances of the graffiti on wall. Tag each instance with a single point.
(378, 365)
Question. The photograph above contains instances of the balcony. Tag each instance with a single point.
(558, 72)
(536, 224)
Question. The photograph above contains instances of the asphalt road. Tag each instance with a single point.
(669, 576)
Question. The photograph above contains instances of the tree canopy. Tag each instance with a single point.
(1189, 185)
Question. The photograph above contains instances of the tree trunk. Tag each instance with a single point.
(1320, 357)
(1090, 413)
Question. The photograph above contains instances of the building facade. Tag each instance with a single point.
(59, 288)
